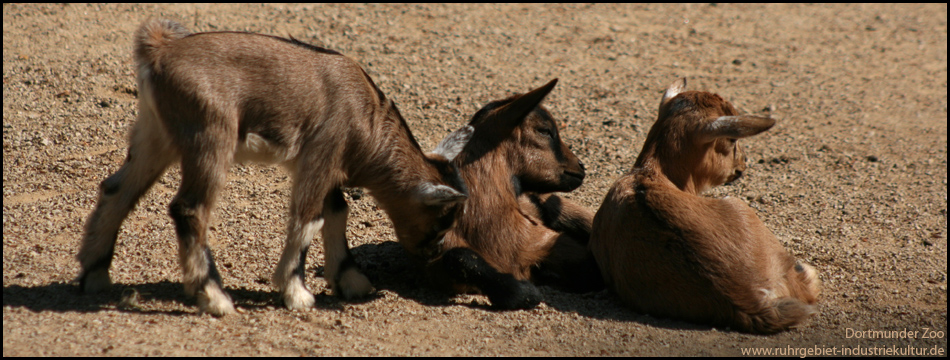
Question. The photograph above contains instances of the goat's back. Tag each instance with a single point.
(240, 67)
(677, 255)
(271, 97)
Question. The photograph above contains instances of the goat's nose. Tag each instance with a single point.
(737, 175)
(581, 164)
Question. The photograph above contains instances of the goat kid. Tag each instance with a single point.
(212, 99)
(669, 252)
(499, 239)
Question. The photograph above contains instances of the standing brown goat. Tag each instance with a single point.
(669, 252)
(499, 239)
(212, 99)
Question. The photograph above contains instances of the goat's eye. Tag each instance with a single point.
(546, 132)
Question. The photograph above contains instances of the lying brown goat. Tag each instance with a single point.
(669, 252)
(499, 239)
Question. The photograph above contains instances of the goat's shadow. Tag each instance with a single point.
(386, 264)
(67, 297)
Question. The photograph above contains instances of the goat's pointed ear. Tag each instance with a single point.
(452, 145)
(513, 114)
(674, 89)
(433, 194)
(737, 127)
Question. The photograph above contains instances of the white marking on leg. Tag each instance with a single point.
(194, 267)
(198, 282)
(213, 300)
(296, 296)
(292, 287)
(352, 283)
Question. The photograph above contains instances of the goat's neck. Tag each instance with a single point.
(673, 173)
(492, 220)
(395, 166)
(492, 193)
(490, 182)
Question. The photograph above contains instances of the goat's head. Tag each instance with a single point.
(528, 135)
(695, 138)
(433, 204)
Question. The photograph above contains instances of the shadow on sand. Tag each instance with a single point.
(389, 267)
(386, 264)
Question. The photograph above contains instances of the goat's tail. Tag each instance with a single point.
(152, 36)
(780, 315)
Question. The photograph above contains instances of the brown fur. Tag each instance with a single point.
(212, 99)
(669, 252)
(516, 148)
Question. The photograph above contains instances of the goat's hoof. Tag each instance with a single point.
(95, 281)
(214, 301)
(297, 297)
(354, 284)
(522, 296)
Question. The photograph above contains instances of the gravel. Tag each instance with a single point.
(853, 179)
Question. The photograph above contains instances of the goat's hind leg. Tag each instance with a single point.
(569, 266)
(148, 156)
(202, 177)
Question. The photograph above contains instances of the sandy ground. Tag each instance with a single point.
(853, 179)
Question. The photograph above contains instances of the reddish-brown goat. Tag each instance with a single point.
(499, 240)
(669, 252)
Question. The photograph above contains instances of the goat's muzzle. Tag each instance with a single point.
(571, 180)
(735, 176)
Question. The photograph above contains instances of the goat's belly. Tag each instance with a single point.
(256, 148)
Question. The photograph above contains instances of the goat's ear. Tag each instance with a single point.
(736, 127)
(433, 194)
(674, 89)
(513, 114)
(452, 145)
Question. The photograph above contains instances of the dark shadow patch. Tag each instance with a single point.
(389, 267)
(605, 305)
(67, 297)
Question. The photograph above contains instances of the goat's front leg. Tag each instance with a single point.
(568, 265)
(559, 214)
(465, 266)
(341, 270)
(305, 221)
